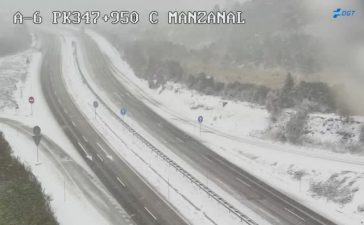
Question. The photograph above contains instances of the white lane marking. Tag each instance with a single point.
(207, 158)
(243, 182)
(180, 140)
(84, 150)
(119, 96)
(116, 94)
(105, 152)
(99, 156)
(121, 182)
(85, 139)
(150, 213)
(294, 214)
(73, 123)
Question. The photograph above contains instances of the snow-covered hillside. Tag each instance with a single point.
(329, 131)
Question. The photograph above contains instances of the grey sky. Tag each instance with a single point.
(109, 4)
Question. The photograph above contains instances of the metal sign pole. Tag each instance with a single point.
(37, 138)
(37, 154)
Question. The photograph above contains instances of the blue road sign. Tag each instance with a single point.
(123, 111)
(200, 119)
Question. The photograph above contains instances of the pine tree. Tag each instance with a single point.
(286, 98)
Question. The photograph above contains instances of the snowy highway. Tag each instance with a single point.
(142, 203)
(272, 205)
(139, 200)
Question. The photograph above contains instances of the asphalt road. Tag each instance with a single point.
(271, 204)
(143, 204)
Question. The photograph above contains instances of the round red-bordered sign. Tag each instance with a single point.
(31, 100)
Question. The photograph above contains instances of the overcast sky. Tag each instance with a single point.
(110, 4)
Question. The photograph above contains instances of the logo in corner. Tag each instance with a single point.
(336, 13)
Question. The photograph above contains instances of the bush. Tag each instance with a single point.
(247, 92)
(318, 93)
(333, 190)
(295, 126)
(361, 135)
(273, 106)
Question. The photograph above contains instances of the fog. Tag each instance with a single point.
(344, 48)
(109, 4)
(341, 41)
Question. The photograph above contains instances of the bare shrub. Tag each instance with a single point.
(333, 190)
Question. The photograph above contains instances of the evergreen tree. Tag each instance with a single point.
(286, 98)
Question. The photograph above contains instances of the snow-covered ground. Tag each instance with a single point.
(71, 202)
(188, 199)
(322, 180)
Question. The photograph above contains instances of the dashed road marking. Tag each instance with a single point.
(85, 139)
(84, 150)
(207, 158)
(294, 214)
(99, 156)
(180, 140)
(243, 182)
(105, 152)
(150, 213)
(121, 182)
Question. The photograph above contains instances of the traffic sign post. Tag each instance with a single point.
(31, 101)
(123, 113)
(37, 138)
(96, 105)
(200, 120)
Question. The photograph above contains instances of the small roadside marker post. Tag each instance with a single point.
(16, 109)
(31, 101)
(21, 91)
(200, 120)
(123, 113)
(64, 188)
(168, 182)
(96, 105)
(37, 137)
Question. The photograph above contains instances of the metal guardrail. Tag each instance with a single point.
(207, 190)
(190, 177)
